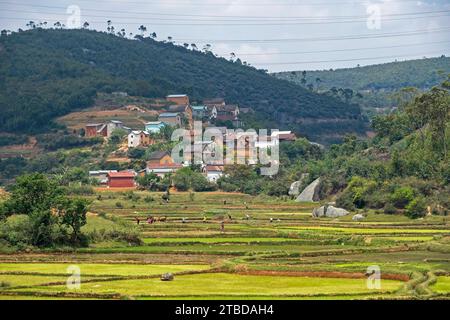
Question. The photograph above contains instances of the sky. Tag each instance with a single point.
(277, 35)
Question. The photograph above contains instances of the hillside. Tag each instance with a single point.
(48, 73)
(375, 83)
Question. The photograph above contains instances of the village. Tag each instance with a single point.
(213, 114)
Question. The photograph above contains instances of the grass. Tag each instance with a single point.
(223, 284)
(442, 285)
(98, 269)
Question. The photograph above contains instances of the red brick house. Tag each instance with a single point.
(122, 179)
(95, 130)
(179, 99)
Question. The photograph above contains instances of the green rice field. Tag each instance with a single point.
(269, 249)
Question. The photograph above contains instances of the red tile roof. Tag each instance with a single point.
(124, 174)
(164, 166)
(214, 168)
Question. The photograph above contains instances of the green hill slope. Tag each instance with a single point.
(375, 83)
(48, 73)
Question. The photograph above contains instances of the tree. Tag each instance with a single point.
(32, 193)
(85, 25)
(117, 136)
(142, 29)
(72, 213)
(182, 179)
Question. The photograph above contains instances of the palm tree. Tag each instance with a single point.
(193, 46)
(169, 38)
(85, 25)
(153, 35)
(110, 28)
(31, 24)
(143, 30)
(57, 24)
(232, 56)
(186, 45)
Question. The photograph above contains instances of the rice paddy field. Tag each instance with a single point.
(269, 249)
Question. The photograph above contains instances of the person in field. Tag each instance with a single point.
(222, 226)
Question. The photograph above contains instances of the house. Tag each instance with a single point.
(154, 126)
(161, 164)
(124, 179)
(101, 176)
(160, 158)
(139, 139)
(214, 102)
(120, 94)
(95, 130)
(228, 110)
(284, 135)
(213, 172)
(179, 99)
(199, 112)
(274, 139)
(207, 149)
(178, 108)
(171, 119)
(114, 125)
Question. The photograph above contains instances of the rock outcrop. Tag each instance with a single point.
(309, 193)
(329, 212)
(294, 189)
(358, 217)
(167, 277)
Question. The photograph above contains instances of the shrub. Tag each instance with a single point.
(389, 208)
(149, 199)
(402, 196)
(416, 208)
(17, 230)
(119, 205)
(81, 190)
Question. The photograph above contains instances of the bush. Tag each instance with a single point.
(83, 190)
(149, 199)
(119, 205)
(389, 208)
(17, 230)
(417, 208)
(402, 196)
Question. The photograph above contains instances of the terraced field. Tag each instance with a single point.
(269, 249)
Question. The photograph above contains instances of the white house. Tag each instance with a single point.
(138, 138)
(213, 172)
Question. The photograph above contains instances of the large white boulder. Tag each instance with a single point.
(309, 192)
(329, 212)
(358, 217)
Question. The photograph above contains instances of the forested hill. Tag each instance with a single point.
(375, 82)
(45, 73)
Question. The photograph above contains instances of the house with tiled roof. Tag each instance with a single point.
(171, 119)
(161, 164)
(123, 179)
(179, 99)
